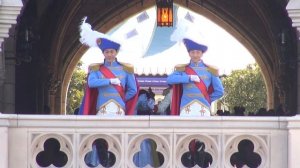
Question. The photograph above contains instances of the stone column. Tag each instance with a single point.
(2, 74)
(9, 54)
(293, 9)
(53, 86)
(9, 11)
(9, 82)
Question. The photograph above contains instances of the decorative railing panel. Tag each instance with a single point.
(143, 141)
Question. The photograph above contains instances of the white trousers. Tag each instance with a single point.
(195, 108)
(111, 108)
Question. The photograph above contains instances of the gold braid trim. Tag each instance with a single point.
(94, 67)
(213, 70)
(127, 67)
(180, 67)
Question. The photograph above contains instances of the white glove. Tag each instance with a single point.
(115, 81)
(194, 78)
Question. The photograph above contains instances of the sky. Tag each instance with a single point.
(151, 50)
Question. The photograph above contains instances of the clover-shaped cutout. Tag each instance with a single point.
(51, 154)
(245, 155)
(148, 155)
(100, 155)
(196, 155)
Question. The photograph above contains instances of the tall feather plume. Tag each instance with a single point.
(180, 31)
(88, 36)
(187, 29)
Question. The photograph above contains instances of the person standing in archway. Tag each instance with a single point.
(111, 86)
(196, 84)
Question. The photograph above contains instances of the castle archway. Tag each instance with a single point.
(263, 27)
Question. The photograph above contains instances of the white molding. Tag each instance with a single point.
(11, 2)
(293, 9)
(9, 11)
(293, 4)
(154, 122)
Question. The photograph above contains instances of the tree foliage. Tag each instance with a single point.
(75, 90)
(245, 88)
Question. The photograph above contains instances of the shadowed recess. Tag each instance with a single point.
(196, 155)
(100, 155)
(245, 155)
(51, 154)
(148, 155)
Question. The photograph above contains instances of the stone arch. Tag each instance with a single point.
(261, 42)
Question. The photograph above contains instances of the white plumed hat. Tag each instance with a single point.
(94, 38)
(190, 35)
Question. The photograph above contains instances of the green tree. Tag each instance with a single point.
(75, 90)
(245, 88)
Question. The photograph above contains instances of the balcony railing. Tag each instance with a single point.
(222, 142)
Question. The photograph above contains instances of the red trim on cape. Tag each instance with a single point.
(176, 97)
(131, 103)
(89, 101)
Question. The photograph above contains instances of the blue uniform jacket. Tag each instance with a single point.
(107, 91)
(189, 91)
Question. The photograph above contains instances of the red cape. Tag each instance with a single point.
(176, 97)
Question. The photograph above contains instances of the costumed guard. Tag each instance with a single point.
(195, 85)
(111, 86)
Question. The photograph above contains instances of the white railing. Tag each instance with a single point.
(22, 138)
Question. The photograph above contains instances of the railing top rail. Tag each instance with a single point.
(170, 122)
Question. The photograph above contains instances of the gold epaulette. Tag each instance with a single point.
(94, 67)
(180, 67)
(213, 70)
(127, 67)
